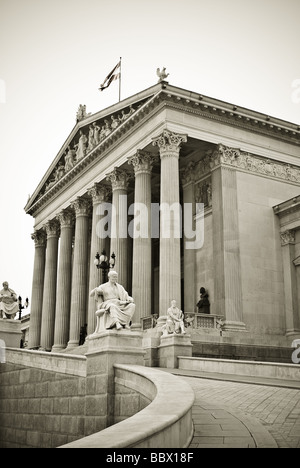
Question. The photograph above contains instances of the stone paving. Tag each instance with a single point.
(233, 414)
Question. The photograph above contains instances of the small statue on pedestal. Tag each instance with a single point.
(175, 321)
(204, 304)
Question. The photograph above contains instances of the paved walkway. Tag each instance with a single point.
(235, 414)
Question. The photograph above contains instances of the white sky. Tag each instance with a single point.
(55, 53)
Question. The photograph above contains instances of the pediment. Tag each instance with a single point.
(91, 133)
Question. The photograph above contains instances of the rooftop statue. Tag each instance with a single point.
(8, 302)
(114, 303)
(162, 74)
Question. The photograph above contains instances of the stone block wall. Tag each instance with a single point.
(43, 408)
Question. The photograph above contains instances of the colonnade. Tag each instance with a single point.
(64, 271)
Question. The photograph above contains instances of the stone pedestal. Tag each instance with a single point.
(104, 351)
(172, 346)
(151, 342)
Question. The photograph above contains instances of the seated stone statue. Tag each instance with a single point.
(8, 302)
(115, 306)
(175, 323)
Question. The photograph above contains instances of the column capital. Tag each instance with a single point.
(99, 193)
(66, 218)
(142, 162)
(52, 228)
(39, 238)
(119, 179)
(169, 143)
(81, 206)
(188, 174)
(287, 237)
(224, 155)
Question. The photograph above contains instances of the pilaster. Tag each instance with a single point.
(189, 255)
(226, 243)
(290, 282)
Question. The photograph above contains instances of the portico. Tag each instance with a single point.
(220, 166)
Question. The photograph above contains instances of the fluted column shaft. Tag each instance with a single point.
(119, 226)
(170, 258)
(142, 265)
(64, 279)
(80, 271)
(99, 195)
(37, 290)
(49, 296)
(226, 243)
(189, 255)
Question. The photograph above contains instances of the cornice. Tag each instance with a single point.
(166, 96)
(236, 117)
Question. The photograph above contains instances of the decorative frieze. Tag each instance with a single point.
(238, 159)
(287, 237)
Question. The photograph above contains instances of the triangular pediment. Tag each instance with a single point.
(89, 133)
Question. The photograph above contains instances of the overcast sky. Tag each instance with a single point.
(54, 54)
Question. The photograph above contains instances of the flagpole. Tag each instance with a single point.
(120, 79)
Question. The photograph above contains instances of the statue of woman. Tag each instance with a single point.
(81, 146)
(91, 138)
(69, 159)
(96, 135)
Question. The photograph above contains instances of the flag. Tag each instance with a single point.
(112, 76)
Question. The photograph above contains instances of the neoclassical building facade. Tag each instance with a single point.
(233, 174)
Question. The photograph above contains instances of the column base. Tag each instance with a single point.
(72, 344)
(172, 346)
(58, 348)
(234, 326)
(293, 332)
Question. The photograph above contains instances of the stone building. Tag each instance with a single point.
(236, 175)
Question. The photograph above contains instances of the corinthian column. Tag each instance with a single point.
(80, 271)
(37, 290)
(99, 194)
(63, 298)
(49, 296)
(119, 227)
(170, 230)
(141, 273)
(226, 242)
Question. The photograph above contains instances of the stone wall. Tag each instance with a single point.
(48, 408)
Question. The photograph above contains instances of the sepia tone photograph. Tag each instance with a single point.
(150, 235)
